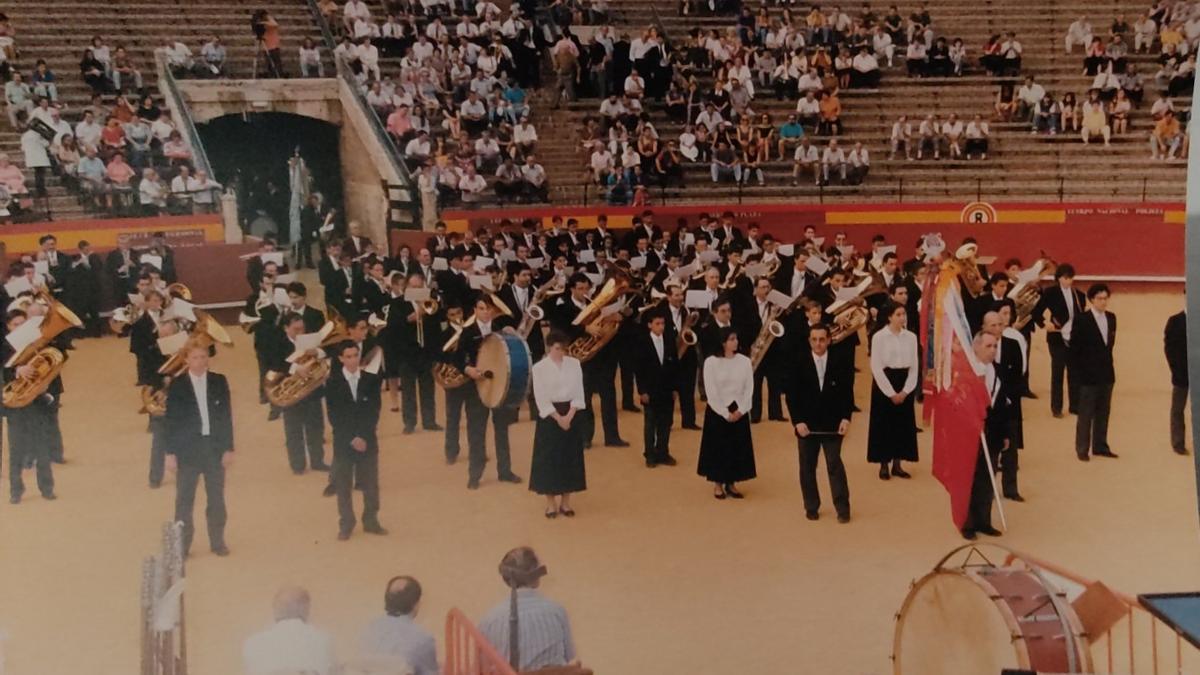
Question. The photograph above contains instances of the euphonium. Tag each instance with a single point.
(123, 317)
(848, 318)
(178, 290)
(206, 332)
(1026, 293)
(47, 361)
(311, 370)
(600, 330)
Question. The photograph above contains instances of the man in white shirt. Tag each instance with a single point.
(418, 149)
(368, 56)
(525, 136)
(807, 160)
(291, 644)
(710, 119)
(808, 110)
(901, 137)
(87, 132)
(535, 179)
(834, 158)
(859, 160)
(352, 12)
(472, 186)
(977, 137)
(1028, 96)
(1079, 33)
(152, 194)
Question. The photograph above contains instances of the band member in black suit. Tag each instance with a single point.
(728, 233)
(453, 284)
(995, 430)
(794, 278)
(28, 426)
(1175, 347)
(261, 305)
(158, 423)
(255, 266)
(121, 265)
(57, 263)
(456, 397)
(303, 421)
(519, 296)
(372, 292)
(143, 339)
(1009, 365)
(404, 262)
(768, 369)
(1064, 303)
(414, 340)
(684, 382)
(439, 244)
(160, 248)
(298, 297)
(199, 425)
(821, 403)
(327, 266)
(486, 321)
(1092, 340)
(353, 398)
(656, 374)
(356, 243)
(339, 291)
(83, 288)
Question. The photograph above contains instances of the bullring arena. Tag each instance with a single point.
(290, 145)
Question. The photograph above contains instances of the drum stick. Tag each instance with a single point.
(987, 457)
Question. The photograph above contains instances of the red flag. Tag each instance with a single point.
(958, 415)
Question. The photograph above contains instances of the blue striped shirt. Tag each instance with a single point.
(400, 636)
(545, 632)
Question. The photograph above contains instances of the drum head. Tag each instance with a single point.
(949, 626)
(493, 358)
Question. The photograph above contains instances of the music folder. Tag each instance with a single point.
(22, 337)
(817, 265)
(779, 299)
(586, 255)
(268, 257)
(698, 300)
(440, 264)
(172, 343)
(155, 261)
(416, 294)
(17, 286)
(786, 250)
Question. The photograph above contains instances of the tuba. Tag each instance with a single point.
(534, 313)
(311, 370)
(206, 331)
(600, 329)
(851, 314)
(178, 290)
(1026, 293)
(966, 265)
(47, 361)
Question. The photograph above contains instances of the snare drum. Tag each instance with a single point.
(507, 367)
(980, 618)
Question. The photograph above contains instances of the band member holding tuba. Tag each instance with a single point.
(450, 341)
(158, 430)
(303, 419)
(486, 321)
(28, 425)
(354, 400)
(143, 338)
(892, 432)
(260, 317)
(557, 470)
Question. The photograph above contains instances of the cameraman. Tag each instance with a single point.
(266, 33)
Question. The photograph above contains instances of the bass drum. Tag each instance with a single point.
(507, 367)
(976, 617)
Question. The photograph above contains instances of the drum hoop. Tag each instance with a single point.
(1024, 660)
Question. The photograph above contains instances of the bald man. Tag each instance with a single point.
(291, 644)
(979, 515)
(397, 635)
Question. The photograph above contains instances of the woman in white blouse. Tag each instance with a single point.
(726, 449)
(557, 469)
(892, 434)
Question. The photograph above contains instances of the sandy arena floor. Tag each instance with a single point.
(658, 576)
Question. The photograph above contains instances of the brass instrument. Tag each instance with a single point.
(124, 317)
(311, 369)
(46, 361)
(178, 290)
(687, 337)
(600, 329)
(771, 330)
(1026, 293)
(967, 266)
(731, 277)
(447, 375)
(852, 314)
(206, 332)
(534, 313)
(428, 307)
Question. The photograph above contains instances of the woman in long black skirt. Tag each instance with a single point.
(892, 434)
(558, 469)
(726, 449)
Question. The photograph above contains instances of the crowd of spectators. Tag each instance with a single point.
(935, 137)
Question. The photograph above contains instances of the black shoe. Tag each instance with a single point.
(755, 420)
(435, 427)
(273, 415)
(732, 492)
(343, 535)
(692, 427)
(451, 460)
(1180, 451)
(552, 514)
(777, 418)
(298, 472)
(812, 515)
(1030, 394)
(49, 496)
(844, 518)
(990, 531)
(668, 460)
(510, 478)
(1107, 453)
(883, 472)
(567, 511)
(651, 463)
(616, 444)
(969, 534)
(900, 473)
(1083, 456)
(322, 466)
(473, 484)
(58, 460)
(1014, 497)
(631, 408)
(408, 430)
(154, 485)
(375, 528)
(1057, 415)
(395, 409)
(719, 494)
(329, 491)
(221, 550)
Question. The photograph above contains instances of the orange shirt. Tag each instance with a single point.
(271, 35)
(831, 107)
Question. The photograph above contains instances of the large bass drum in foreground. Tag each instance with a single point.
(505, 361)
(972, 616)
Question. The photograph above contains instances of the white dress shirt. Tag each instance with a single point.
(290, 645)
(557, 383)
(657, 341)
(485, 328)
(1102, 324)
(352, 380)
(1069, 297)
(200, 386)
(894, 350)
(820, 362)
(729, 380)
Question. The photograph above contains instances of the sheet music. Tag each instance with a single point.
(817, 265)
(440, 264)
(172, 343)
(43, 266)
(417, 294)
(846, 251)
(179, 309)
(285, 279)
(786, 250)
(281, 297)
(479, 281)
(482, 262)
(374, 360)
(709, 256)
(698, 299)
(779, 299)
(25, 335)
(17, 286)
(685, 272)
(269, 257)
(637, 262)
(153, 260)
(535, 263)
(586, 255)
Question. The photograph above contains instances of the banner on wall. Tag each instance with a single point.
(180, 231)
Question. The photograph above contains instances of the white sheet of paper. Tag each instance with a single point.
(508, 255)
(882, 251)
(269, 257)
(698, 300)
(685, 272)
(244, 319)
(846, 251)
(688, 239)
(786, 250)
(986, 260)
(440, 264)
(374, 361)
(479, 281)
(817, 265)
(23, 336)
(17, 286)
(596, 279)
(535, 263)
(137, 300)
(779, 299)
(43, 266)
(586, 255)
(818, 241)
(417, 294)
(637, 262)
(306, 342)
(281, 297)
(709, 256)
(172, 343)
(755, 270)
(154, 261)
(612, 308)
(568, 270)
(284, 279)
(482, 262)
(180, 309)
(328, 227)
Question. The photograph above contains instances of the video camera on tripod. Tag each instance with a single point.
(258, 24)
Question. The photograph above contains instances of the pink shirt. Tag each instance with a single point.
(13, 178)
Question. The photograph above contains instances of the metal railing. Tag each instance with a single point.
(170, 89)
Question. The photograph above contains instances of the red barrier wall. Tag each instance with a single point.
(102, 234)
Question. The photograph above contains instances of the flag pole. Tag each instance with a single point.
(987, 457)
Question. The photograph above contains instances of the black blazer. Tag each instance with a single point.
(183, 417)
(655, 379)
(822, 409)
(350, 417)
(468, 344)
(143, 343)
(996, 426)
(313, 319)
(1011, 368)
(1092, 356)
(787, 271)
(1053, 300)
(1175, 346)
(455, 290)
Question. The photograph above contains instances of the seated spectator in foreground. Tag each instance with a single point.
(534, 177)
(93, 176)
(19, 97)
(543, 630)
(205, 192)
(124, 72)
(291, 645)
(831, 114)
(1046, 115)
(668, 166)
(396, 634)
(1183, 78)
(1094, 119)
(1068, 109)
(310, 59)
(725, 164)
(66, 153)
(901, 137)
(1010, 55)
(1095, 58)
(860, 164)
(214, 55)
(43, 81)
(807, 160)
(977, 137)
(1166, 138)
(930, 132)
(952, 130)
(833, 160)
(1006, 102)
(12, 177)
(509, 184)
(866, 70)
(1078, 33)
(119, 175)
(472, 185)
(152, 194)
(1132, 84)
(1028, 96)
(94, 73)
(175, 150)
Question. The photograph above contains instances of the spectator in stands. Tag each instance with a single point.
(152, 194)
(1145, 30)
(94, 73)
(1183, 78)
(183, 187)
(1078, 33)
(102, 53)
(271, 41)
(1166, 138)
(790, 133)
(668, 166)
(60, 126)
(833, 159)
(940, 64)
(93, 176)
(808, 110)
(1117, 51)
(901, 137)
(807, 159)
(292, 644)
(535, 181)
(990, 59)
(12, 178)
(860, 164)
(1010, 54)
(866, 70)
(396, 634)
(35, 148)
(977, 137)
(1046, 116)
(1132, 84)
(310, 59)
(1095, 58)
(1094, 119)
(418, 150)
(19, 97)
(883, 45)
(543, 631)
(509, 182)
(42, 111)
(915, 59)
(214, 55)
(725, 164)
(1161, 106)
(958, 57)
(1068, 109)
(472, 186)
(1118, 110)
(138, 138)
(204, 191)
(1027, 97)
(124, 72)
(525, 137)
(930, 132)
(368, 59)
(600, 164)
(750, 166)
(43, 81)
(952, 131)
(831, 114)
(112, 138)
(66, 155)
(119, 175)
(487, 152)
(179, 58)
(176, 151)
(472, 112)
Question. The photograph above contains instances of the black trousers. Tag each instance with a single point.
(303, 252)
(1060, 364)
(53, 433)
(810, 453)
(304, 432)
(416, 385)
(685, 388)
(657, 428)
(1178, 403)
(628, 363)
(27, 443)
(158, 436)
(204, 461)
(456, 399)
(262, 374)
(774, 394)
(351, 468)
(599, 378)
(1009, 464)
(979, 509)
(477, 419)
(1091, 424)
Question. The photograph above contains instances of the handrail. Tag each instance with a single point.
(170, 87)
(319, 19)
(468, 652)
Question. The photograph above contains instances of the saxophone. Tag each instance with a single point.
(46, 361)
(771, 330)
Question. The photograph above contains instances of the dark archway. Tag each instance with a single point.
(251, 151)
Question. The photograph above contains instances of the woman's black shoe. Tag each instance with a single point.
(720, 494)
(552, 514)
(567, 511)
(900, 473)
(732, 492)
(883, 472)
